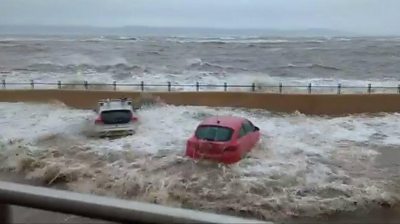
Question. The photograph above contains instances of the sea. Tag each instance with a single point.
(351, 62)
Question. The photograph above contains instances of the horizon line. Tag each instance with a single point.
(169, 27)
(313, 31)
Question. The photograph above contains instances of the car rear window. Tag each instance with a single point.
(116, 116)
(214, 133)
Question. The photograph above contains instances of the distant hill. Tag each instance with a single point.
(162, 31)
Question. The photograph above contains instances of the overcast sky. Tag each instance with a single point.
(360, 16)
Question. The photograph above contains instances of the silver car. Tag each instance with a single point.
(115, 117)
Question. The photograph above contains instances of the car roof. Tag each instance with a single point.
(224, 121)
(109, 105)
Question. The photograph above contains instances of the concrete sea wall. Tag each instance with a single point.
(316, 104)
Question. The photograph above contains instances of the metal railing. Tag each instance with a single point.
(98, 207)
(169, 86)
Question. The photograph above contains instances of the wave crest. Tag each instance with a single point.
(114, 69)
(312, 66)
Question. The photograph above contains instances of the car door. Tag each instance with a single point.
(252, 134)
(244, 139)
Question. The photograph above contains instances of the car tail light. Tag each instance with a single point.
(190, 144)
(98, 121)
(193, 145)
(190, 148)
(134, 119)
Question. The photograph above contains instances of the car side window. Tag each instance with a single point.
(249, 127)
(242, 131)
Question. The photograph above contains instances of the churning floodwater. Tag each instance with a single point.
(305, 166)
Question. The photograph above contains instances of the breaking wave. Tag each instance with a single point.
(205, 66)
(108, 38)
(243, 40)
(72, 68)
(197, 64)
(312, 66)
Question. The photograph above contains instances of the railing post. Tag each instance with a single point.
(339, 87)
(369, 88)
(309, 88)
(86, 84)
(280, 87)
(169, 86)
(59, 84)
(225, 86)
(253, 87)
(398, 89)
(3, 83)
(32, 84)
(197, 86)
(5, 214)
(142, 86)
(115, 85)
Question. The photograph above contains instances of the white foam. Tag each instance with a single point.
(30, 122)
(264, 82)
(318, 164)
(241, 40)
(171, 126)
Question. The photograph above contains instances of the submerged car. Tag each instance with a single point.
(224, 139)
(115, 117)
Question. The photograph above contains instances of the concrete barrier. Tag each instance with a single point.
(316, 104)
(105, 208)
(5, 214)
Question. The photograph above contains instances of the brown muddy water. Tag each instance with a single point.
(307, 168)
(117, 182)
(385, 213)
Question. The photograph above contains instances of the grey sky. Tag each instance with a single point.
(361, 16)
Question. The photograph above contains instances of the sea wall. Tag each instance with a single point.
(317, 104)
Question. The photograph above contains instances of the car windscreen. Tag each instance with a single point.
(116, 116)
(214, 133)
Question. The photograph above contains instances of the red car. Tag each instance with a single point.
(224, 139)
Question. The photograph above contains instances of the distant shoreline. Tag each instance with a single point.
(166, 31)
